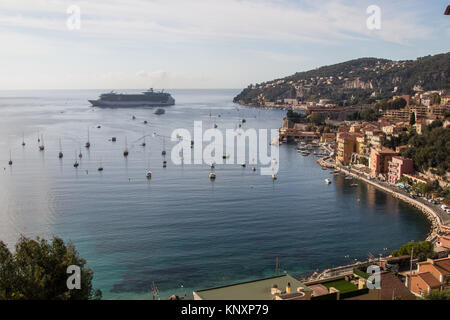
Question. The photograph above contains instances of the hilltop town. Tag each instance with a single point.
(357, 82)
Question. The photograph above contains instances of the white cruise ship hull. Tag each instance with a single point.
(130, 104)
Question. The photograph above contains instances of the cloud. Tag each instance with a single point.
(200, 20)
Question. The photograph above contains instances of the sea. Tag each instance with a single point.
(179, 231)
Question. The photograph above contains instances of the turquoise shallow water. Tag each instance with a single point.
(180, 230)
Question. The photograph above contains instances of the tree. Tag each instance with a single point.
(412, 119)
(37, 270)
(437, 295)
(422, 250)
(315, 118)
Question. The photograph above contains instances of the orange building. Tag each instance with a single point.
(379, 160)
(422, 283)
(399, 166)
(430, 275)
(444, 242)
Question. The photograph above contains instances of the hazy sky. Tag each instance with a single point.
(203, 43)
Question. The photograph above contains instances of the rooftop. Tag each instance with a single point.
(252, 290)
(429, 279)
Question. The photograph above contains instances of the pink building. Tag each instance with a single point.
(397, 167)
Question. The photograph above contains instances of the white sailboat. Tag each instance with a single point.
(125, 152)
(88, 143)
(76, 164)
(10, 158)
(60, 154)
(42, 147)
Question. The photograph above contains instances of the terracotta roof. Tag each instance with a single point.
(429, 279)
(393, 288)
(443, 264)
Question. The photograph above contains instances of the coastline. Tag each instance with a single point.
(429, 212)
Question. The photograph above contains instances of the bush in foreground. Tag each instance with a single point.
(37, 270)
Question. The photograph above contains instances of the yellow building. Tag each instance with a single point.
(346, 146)
(328, 137)
(361, 146)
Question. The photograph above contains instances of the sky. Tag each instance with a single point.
(134, 44)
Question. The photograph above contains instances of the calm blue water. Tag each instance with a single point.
(179, 229)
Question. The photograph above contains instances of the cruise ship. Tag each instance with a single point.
(149, 98)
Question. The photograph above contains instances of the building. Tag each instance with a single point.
(397, 115)
(346, 143)
(444, 242)
(282, 287)
(445, 100)
(328, 137)
(437, 111)
(420, 112)
(399, 166)
(379, 160)
(361, 146)
(430, 275)
(422, 283)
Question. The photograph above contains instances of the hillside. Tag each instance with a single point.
(356, 81)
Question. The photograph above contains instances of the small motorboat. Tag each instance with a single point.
(327, 181)
(159, 111)
(212, 175)
(76, 164)
(100, 168)
(148, 174)
(164, 163)
(274, 177)
(113, 139)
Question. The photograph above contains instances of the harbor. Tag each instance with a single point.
(134, 231)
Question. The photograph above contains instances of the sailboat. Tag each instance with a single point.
(212, 175)
(41, 147)
(10, 159)
(76, 164)
(125, 152)
(164, 163)
(143, 143)
(23, 139)
(88, 143)
(60, 154)
(148, 173)
(100, 168)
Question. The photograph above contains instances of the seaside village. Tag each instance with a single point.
(369, 151)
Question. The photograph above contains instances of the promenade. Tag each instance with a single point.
(435, 215)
